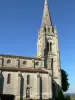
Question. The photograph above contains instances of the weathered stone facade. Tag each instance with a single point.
(34, 78)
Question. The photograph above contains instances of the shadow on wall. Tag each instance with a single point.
(55, 89)
(1, 82)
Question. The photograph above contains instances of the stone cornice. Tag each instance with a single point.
(32, 70)
(20, 57)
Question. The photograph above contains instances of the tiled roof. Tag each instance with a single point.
(32, 70)
(21, 57)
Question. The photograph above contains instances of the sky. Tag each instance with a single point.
(20, 21)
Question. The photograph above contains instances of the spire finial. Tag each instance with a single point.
(45, 1)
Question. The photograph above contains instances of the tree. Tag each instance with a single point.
(65, 83)
(67, 98)
(60, 95)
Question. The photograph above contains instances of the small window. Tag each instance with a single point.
(8, 78)
(24, 62)
(47, 46)
(8, 61)
(48, 29)
(52, 63)
(51, 46)
(28, 79)
(37, 63)
(45, 29)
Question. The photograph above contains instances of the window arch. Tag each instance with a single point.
(28, 79)
(8, 78)
(51, 46)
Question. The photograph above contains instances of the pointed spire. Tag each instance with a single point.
(46, 20)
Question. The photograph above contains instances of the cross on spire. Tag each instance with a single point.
(45, 1)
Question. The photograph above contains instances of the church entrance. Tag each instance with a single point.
(28, 92)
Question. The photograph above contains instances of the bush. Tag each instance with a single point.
(67, 98)
(61, 96)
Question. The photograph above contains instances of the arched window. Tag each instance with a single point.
(48, 29)
(52, 63)
(8, 61)
(45, 29)
(52, 66)
(47, 46)
(28, 79)
(8, 78)
(24, 62)
(50, 46)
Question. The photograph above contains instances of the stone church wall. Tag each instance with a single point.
(20, 62)
(18, 84)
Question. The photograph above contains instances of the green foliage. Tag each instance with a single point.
(72, 98)
(65, 84)
(60, 95)
(67, 98)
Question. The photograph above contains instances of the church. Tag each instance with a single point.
(34, 78)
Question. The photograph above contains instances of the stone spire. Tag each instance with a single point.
(46, 20)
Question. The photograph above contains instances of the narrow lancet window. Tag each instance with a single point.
(52, 66)
(8, 78)
(45, 29)
(28, 79)
(52, 63)
(47, 46)
(51, 46)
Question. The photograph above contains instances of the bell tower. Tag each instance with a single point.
(47, 44)
(44, 44)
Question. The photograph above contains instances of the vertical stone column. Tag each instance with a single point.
(19, 84)
(50, 85)
(33, 60)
